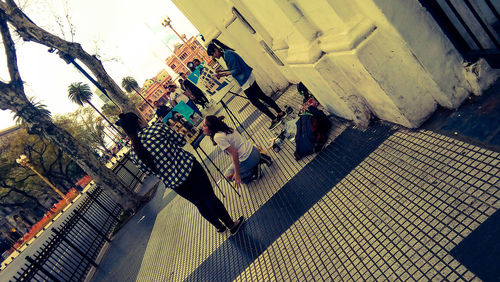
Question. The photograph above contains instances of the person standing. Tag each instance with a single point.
(161, 110)
(157, 150)
(199, 97)
(243, 74)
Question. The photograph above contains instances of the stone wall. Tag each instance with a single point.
(360, 58)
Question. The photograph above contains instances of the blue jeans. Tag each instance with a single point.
(247, 166)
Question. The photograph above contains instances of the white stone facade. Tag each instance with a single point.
(360, 58)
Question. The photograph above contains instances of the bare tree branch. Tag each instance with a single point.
(29, 31)
(10, 51)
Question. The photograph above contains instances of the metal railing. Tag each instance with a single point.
(71, 251)
(128, 172)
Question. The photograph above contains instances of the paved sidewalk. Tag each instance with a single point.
(387, 203)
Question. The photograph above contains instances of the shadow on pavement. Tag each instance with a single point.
(123, 260)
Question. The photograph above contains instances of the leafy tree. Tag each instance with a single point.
(20, 188)
(129, 84)
(13, 98)
(111, 111)
(80, 94)
(92, 126)
(41, 107)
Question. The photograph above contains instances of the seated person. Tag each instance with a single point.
(246, 157)
(161, 110)
(308, 99)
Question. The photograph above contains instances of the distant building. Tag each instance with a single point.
(154, 89)
(102, 96)
(187, 53)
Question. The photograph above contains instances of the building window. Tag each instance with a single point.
(172, 66)
(183, 56)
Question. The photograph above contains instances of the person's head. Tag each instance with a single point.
(171, 88)
(183, 75)
(196, 62)
(213, 124)
(156, 104)
(214, 51)
(131, 124)
(191, 66)
(216, 48)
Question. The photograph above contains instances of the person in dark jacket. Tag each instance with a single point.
(199, 97)
(243, 74)
(161, 110)
(157, 150)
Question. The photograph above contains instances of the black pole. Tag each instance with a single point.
(231, 116)
(209, 173)
(71, 60)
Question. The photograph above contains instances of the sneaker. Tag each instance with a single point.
(222, 230)
(265, 159)
(274, 124)
(237, 225)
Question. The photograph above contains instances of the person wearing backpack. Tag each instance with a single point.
(243, 74)
(246, 157)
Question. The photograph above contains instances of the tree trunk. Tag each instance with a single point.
(13, 98)
(144, 99)
(80, 154)
(29, 31)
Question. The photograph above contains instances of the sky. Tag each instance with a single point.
(127, 35)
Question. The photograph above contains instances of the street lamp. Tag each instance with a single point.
(167, 22)
(24, 161)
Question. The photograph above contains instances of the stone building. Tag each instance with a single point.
(187, 52)
(397, 60)
(154, 89)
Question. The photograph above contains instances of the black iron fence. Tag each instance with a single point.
(71, 251)
(128, 172)
(472, 26)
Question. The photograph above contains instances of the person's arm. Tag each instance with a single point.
(233, 64)
(236, 162)
(222, 74)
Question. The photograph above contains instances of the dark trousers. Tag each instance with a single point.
(255, 94)
(198, 190)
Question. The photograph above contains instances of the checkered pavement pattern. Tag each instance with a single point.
(392, 210)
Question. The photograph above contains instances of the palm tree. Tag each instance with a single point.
(13, 98)
(129, 84)
(42, 109)
(80, 94)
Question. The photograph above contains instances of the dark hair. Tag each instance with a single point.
(130, 124)
(196, 60)
(181, 73)
(216, 44)
(215, 124)
(303, 91)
